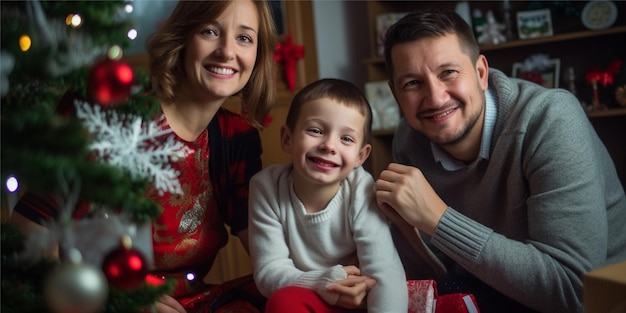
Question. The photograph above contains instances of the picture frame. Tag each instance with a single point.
(548, 77)
(534, 24)
(385, 111)
(383, 22)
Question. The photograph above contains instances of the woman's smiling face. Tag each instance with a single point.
(220, 58)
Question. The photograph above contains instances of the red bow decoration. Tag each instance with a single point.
(287, 53)
(604, 77)
(267, 120)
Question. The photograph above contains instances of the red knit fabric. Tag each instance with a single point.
(455, 303)
(301, 300)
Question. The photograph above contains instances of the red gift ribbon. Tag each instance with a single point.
(287, 54)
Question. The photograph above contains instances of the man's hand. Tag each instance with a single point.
(406, 190)
(353, 290)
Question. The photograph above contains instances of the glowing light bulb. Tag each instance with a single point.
(190, 276)
(25, 43)
(73, 20)
(129, 8)
(77, 20)
(132, 34)
(12, 184)
(115, 52)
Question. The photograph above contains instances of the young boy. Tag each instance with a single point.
(318, 242)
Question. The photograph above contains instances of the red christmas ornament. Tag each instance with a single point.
(154, 280)
(110, 82)
(287, 54)
(125, 268)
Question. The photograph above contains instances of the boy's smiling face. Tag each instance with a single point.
(326, 143)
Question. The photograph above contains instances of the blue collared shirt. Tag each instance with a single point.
(451, 164)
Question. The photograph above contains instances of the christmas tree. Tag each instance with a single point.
(77, 125)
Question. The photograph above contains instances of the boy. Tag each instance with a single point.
(317, 238)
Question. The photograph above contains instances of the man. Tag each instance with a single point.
(507, 181)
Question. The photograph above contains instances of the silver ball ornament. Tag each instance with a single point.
(76, 288)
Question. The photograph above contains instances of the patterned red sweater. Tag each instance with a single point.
(214, 179)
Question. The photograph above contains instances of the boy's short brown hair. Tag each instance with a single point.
(338, 90)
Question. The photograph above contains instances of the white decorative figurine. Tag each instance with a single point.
(491, 31)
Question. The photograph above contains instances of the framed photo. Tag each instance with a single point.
(534, 24)
(385, 111)
(383, 22)
(547, 76)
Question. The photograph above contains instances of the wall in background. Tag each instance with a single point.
(148, 14)
(342, 38)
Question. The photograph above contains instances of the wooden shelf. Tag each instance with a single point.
(555, 38)
(530, 42)
(606, 113)
(590, 114)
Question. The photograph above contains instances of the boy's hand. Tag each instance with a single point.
(352, 290)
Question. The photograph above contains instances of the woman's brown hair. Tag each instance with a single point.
(166, 51)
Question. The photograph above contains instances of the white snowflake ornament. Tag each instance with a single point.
(128, 142)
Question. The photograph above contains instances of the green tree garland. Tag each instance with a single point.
(42, 147)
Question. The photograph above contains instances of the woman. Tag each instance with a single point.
(204, 53)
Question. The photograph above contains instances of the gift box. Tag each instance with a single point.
(422, 295)
(604, 289)
(423, 298)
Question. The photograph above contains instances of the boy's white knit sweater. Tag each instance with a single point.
(290, 247)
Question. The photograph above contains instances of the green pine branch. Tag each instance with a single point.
(47, 149)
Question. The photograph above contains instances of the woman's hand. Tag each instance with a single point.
(167, 304)
(352, 290)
